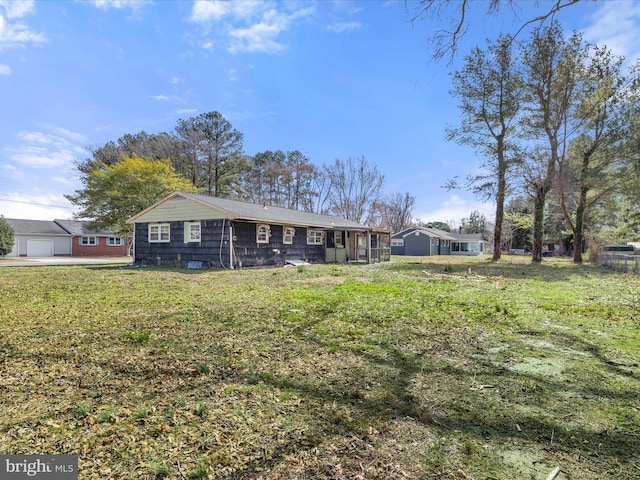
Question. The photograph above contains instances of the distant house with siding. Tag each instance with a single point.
(187, 228)
(428, 241)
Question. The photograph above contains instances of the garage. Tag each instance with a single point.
(39, 238)
(39, 248)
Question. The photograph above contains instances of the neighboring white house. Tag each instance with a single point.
(428, 241)
(38, 238)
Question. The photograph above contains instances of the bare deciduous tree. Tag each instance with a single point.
(453, 18)
(355, 186)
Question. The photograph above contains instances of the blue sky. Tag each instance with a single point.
(332, 79)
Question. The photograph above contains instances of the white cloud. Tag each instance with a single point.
(16, 9)
(454, 209)
(250, 26)
(58, 148)
(615, 25)
(175, 80)
(341, 27)
(205, 11)
(260, 37)
(35, 206)
(16, 34)
(120, 4)
(184, 111)
(5, 69)
(167, 98)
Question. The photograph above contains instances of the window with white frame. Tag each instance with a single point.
(115, 241)
(314, 237)
(337, 239)
(192, 232)
(88, 240)
(397, 242)
(159, 232)
(287, 235)
(263, 232)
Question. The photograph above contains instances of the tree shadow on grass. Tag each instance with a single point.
(555, 271)
(485, 416)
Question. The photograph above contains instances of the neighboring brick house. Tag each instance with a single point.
(86, 242)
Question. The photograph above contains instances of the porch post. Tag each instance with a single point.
(368, 246)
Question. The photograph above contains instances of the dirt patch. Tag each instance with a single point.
(549, 366)
(554, 347)
(528, 465)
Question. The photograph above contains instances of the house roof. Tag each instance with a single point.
(35, 227)
(437, 233)
(469, 236)
(238, 210)
(430, 232)
(78, 227)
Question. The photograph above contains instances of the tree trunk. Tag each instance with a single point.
(578, 233)
(497, 229)
(538, 224)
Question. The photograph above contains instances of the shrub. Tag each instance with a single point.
(6, 237)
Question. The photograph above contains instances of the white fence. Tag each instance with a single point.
(621, 262)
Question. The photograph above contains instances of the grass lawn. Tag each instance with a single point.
(425, 368)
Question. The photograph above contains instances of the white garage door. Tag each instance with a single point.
(39, 248)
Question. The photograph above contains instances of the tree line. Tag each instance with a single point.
(205, 153)
(554, 119)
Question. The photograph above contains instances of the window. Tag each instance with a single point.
(337, 239)
(159, 232)
(115, 241)
(314, 237)
(287, 235)
(192, 232)
(88, 240)
(263, 232)
(397, 242)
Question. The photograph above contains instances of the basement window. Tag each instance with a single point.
(160, 232)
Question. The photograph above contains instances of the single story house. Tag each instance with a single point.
(426, 241)
(188, 229)
(46, 238)
(38, 238)
(86, 242)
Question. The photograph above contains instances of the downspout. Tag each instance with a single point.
(220, 248)
(133, 245)
(230, 246)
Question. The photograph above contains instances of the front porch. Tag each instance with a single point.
(357, 246)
